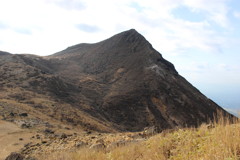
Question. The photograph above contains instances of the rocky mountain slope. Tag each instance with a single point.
(119, 84)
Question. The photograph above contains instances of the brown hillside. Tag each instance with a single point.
(119, 84)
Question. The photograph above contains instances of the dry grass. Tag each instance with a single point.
(218, 141)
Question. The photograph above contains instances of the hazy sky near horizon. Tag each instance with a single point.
(200, 37)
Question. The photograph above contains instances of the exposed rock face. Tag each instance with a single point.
(121, 83)
(15, 156)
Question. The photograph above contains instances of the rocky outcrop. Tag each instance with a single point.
(15, 156)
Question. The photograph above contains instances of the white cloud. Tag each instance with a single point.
(67, 22)
(215, 9)
(236, 14)
(68, 4)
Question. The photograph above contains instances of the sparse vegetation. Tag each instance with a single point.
(219, 140)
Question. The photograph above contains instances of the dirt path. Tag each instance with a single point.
(12, 138)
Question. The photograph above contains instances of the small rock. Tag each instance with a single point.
(48, 131)
(20, 139)
(38, 136)
(38, 144)
(12, 114)
(25, 125)
(23, 114)
(27, 145)
(15, 156)
(63, 136)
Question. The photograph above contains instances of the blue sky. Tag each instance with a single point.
(200, 37)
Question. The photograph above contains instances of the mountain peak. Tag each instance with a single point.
(119, 84)
(131, 36)
(132, 31)
(126, 38)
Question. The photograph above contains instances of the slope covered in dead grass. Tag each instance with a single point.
(220, 140)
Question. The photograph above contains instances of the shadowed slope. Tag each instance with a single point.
(131, 85)
(3, 53)
(121, 83)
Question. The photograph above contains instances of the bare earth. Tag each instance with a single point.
(9, 138)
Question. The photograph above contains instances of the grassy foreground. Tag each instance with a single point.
(218, 141)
